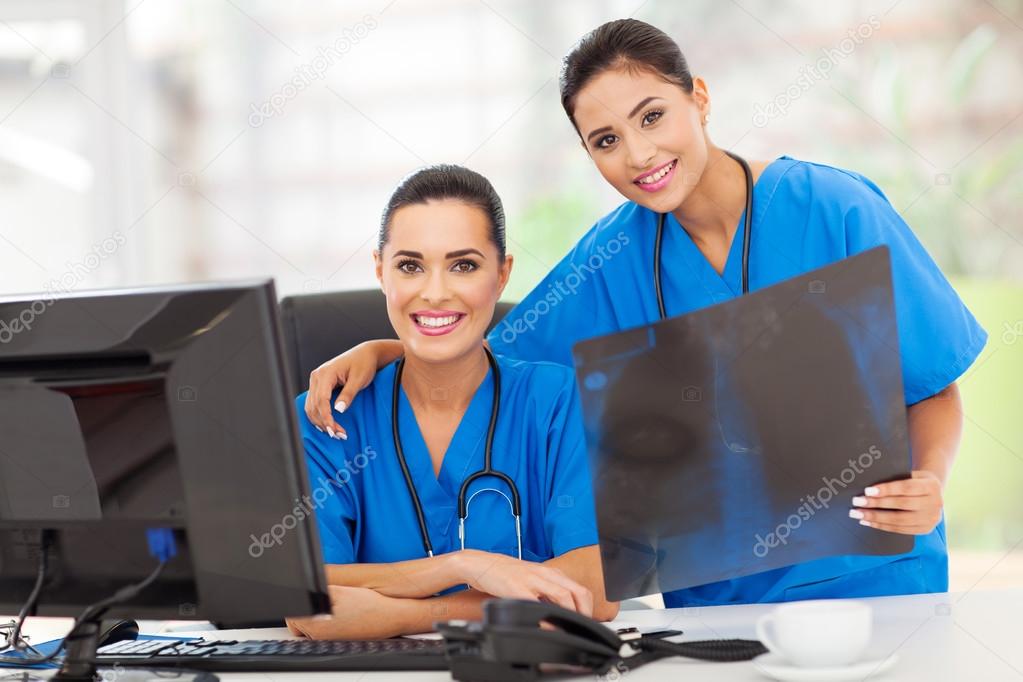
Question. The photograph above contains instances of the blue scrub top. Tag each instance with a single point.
(363, 508)
(805, 216)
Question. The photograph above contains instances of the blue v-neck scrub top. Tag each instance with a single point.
(361, 502)
(805, 216)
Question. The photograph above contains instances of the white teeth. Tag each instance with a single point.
(436, 321)
(658, 175)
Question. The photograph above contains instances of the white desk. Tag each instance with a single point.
(975, 636)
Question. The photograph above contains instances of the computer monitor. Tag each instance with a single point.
(126, 411)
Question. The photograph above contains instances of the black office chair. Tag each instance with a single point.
(319, 326)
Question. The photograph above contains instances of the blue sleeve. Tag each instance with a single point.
(570, 520)
(330, 498)
(938, 336)
(558, 312)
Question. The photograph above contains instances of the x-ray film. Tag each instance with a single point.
(731, 440)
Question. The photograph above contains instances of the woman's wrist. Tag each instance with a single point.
(464, 566)
(412, 616)
(385, 351)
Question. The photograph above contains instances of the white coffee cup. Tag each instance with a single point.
(824, 633)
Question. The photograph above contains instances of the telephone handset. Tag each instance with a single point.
(510, 644)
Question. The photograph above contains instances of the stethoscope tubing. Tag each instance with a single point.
(487, 470)
(746, 235)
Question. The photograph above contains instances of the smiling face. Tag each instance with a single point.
(442, 276)
(644, 134)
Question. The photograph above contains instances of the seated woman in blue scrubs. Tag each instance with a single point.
(441, 263)
(642, 118)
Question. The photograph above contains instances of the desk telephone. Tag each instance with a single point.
(518, 641)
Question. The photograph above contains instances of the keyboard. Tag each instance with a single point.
(276, 655)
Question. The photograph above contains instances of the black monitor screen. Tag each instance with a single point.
(89, 450)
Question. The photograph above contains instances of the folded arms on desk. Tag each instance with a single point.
(385, 600)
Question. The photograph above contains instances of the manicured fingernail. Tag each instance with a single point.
(873, 491)
(855, 514)
(330, 432)
(342, 435)
(340, 406)
(318, 428)
(860, 501)
(865, 523)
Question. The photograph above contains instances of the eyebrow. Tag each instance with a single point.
(635, 110)
(646, 101)
(450, 254)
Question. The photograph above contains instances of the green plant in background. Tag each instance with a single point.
(544, 233)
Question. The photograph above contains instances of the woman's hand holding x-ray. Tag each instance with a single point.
(911, 506)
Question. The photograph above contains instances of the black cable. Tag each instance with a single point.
(720, 650)
(91, 612)
(14, 639)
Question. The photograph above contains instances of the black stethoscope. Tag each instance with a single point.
(487, 470)
(747, 228)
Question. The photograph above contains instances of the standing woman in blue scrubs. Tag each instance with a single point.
(442, 265)
(642, 118)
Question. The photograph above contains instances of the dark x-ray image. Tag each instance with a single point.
(731, 440)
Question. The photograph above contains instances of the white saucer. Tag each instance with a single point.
(776, 667)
